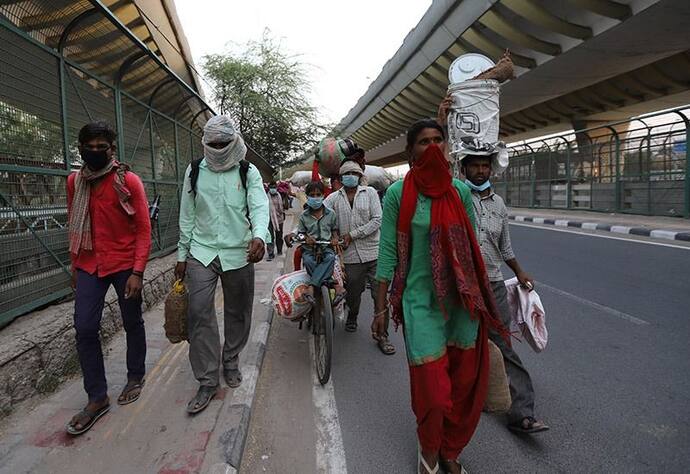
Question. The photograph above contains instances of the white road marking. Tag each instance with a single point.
(592, 304)
(586, 234)
(538, 220)
(561, 223)
(330, 450)
(589, 225)
(520, 218)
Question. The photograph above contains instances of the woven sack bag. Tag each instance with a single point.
(498, 396)
(176, 305)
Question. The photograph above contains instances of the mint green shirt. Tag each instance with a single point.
(214, 222)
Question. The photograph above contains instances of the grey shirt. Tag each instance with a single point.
(493, 235)
(362, 221)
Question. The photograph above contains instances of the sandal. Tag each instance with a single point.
(451, 466)
(91, 418)
(233, 377)
(385, 345)
(527, 425)
(351, 325)
(201, 400)
(422, 466)
(130, 392)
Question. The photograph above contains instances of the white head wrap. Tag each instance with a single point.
(351, 167)
(220, 129)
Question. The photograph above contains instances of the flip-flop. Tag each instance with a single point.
(201, 400)
(533, 426)
(93, 418)
(131, 385)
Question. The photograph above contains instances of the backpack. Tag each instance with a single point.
(244, 170)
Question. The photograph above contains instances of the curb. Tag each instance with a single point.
(616, 229)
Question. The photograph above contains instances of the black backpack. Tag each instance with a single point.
(194, 173)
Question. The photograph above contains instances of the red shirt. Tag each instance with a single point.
(120, 241)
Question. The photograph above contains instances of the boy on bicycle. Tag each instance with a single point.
(318, 223)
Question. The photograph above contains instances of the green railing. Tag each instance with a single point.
(640, 166)
(45, 97)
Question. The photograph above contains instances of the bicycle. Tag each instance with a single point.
(320, 319)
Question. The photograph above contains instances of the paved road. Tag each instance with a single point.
(613, 383)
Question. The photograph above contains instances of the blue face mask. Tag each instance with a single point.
(350, 181)
(315, 202)
(480, 188)
(273, 191)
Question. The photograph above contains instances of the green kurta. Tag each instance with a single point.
(427, 331)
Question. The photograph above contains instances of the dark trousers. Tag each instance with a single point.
(319, 272)
(358, 275)
(88, 310)
(521, 389)
(277, 238)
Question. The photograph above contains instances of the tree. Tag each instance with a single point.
(267, 92)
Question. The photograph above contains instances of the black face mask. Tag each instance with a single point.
(95, 159)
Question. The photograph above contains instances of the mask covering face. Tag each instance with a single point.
(95, 159)
(273, 191)
(350, 181)
(480, 188)
(315, 202)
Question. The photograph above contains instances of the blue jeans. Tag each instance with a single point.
(88, 309)
(322, 271)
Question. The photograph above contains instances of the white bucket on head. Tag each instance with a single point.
(474, 113)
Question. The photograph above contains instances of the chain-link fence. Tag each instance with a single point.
(639, 166)
(63, 64)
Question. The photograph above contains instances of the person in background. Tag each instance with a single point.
(440, 294)
(494, 240)
(277, 217)
(223, 224)
(109, 244)
(358, 211)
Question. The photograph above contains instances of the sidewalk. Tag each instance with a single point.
(153, 434)
(658, 227)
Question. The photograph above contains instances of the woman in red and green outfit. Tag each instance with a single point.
(441, 296)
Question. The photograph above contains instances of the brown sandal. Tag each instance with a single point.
(385, 345)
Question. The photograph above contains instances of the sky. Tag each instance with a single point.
(344, 43)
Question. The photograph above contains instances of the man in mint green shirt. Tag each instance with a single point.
(222, 231)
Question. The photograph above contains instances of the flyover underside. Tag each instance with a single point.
(575, 61)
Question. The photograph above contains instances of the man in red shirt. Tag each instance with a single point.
(109, 243)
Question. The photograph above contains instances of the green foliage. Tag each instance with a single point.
(267, 92)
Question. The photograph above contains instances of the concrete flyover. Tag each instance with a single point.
(578, 63)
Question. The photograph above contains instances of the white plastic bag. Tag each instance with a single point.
(528, 314)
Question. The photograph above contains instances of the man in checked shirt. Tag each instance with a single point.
(494, 240)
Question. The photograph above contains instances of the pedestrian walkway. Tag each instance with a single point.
(659, 227)
(154, 434)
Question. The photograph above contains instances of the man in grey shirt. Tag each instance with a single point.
(358, 210)
(494, 240)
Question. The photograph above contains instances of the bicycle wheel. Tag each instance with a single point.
(323, 335)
